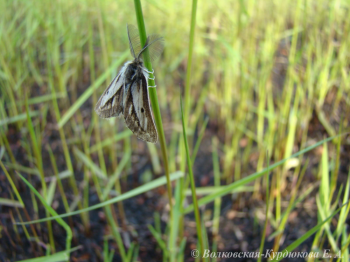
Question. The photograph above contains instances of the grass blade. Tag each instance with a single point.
(304, 237)
(52, 212)
(137, 191)
(193, 186)
(90, 164)
(227, 189)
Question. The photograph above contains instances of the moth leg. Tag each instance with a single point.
(150, 78)
(150, 72)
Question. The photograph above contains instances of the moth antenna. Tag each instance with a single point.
(130, 44)
(147, 44)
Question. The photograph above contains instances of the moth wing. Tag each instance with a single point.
(110, 103)
(138, 113)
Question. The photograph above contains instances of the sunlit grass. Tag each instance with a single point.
(269, 80)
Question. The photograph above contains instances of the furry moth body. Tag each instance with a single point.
(127, 95)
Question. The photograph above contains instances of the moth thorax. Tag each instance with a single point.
(134, 69)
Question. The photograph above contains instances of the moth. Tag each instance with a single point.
(127, 95)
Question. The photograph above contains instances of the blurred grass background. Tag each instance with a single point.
(269, 78)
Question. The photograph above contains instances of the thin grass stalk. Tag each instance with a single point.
(13, 186)
(36, 144)
(26, 231)
(111, 221)
(85, 192)
(182, 183)
(291, 205)
(195, 151)
(36, 149)
(193, 187)
(59, 182)
(228, 188)
(267, 210)
(10, 92)
(5, 142)
(217, 201)
(154, 98)
(105, 64)
(72, 181)
(114, 225)
(334, 176)
(189, 60)
(308, 234)
(53, 213)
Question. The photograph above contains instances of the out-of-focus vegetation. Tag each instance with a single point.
(269, 79)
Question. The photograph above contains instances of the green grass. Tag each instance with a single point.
(265, 86)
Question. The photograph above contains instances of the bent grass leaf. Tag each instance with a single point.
(52, 212)
(227, 189)
(308, 234)
(134, 192)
